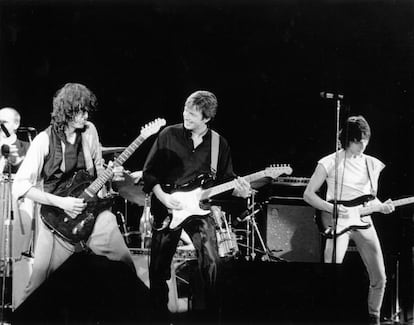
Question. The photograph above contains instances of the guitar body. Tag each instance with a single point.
(190, 202)
(79, 228)
(189, 195)
(353, 221)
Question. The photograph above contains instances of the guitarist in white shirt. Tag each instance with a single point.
(358, 175)
(180, 154)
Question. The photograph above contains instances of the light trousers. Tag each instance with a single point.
(368, 245)
(51, 251)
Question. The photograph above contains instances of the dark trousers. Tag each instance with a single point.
(164, 243)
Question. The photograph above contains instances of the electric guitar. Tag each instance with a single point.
(82, 185)
(356, 209)
(191, 199)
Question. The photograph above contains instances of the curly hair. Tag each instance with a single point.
(68, 101)
(204, 101)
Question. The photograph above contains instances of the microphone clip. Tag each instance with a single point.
(327, 95)
(5, 151)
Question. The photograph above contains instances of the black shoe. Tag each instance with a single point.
(374, 320)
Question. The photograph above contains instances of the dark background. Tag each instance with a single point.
(267, 61)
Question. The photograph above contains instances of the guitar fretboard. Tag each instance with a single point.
(291, 181)
(209, 192)
(98, 183)
(376, 208)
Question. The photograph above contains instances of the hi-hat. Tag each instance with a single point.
(108, 150)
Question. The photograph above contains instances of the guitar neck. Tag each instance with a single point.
(376, 208)
(292, 181)
(98, 183)
(405, 201)
(209, 192)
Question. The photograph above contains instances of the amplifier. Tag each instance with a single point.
(291, 231)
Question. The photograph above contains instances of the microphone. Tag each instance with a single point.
(327, 95)
(4, 129)
(246, 215)
(5, 150)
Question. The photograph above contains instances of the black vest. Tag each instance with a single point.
(52, 174)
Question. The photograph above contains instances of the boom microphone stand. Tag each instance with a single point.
(252, 210)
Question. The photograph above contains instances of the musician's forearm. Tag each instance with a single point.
(41, 197)
(314, 200)
(159, 193)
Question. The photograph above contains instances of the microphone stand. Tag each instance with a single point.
(7, 232)
(251, 222)
(335, 200)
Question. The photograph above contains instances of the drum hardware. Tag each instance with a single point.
(123, 226)
(226, 239)
(145, 224)
(252, 230)
(185, 253)
(140, 233)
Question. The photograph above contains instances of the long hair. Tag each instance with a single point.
(70, 100)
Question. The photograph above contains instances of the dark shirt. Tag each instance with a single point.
(174, 160)
(53, 177)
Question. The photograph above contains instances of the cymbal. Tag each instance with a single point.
(108, 150)
(131, 192)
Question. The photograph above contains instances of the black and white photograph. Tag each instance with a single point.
(217, 162)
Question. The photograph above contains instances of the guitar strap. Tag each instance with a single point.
(215, 141)
(370, 168)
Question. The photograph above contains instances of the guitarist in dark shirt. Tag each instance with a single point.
(180, 154)
(69, 145)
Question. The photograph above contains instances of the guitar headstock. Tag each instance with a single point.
(152, 127)
(275, 171)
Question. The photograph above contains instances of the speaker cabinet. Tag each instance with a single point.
(291, 231)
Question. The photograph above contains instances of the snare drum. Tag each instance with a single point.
(227, 243)
(185, 253)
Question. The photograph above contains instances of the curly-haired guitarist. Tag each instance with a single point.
(68, 147)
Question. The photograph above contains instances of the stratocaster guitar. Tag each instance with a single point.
(191, 199)
(82, 185)
(356, 211)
